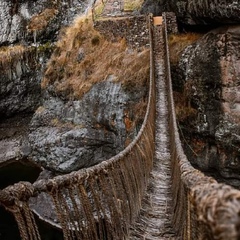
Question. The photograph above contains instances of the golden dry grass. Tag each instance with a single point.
(178, 42)
(131, 5)
(40, 21)
(83, 57)
(98, 8)
(10, 53)
(183, 107)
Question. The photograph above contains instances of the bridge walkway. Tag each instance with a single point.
(154, 221)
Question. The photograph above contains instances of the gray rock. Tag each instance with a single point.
(154, 7)
(206, 12)
(17, 19)
(212, 74)
(66, 136)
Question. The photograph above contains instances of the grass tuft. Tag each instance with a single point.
(132, 5)
(83, 57)
(183, 108)
(40, 21)
(178, 42)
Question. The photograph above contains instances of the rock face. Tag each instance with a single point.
(67, 136)
(206, 11)
(20, 77)
(28, 31)
(26, 20)
(154, 7)
(211, 70)
(31, 27)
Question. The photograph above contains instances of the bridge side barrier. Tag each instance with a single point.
(99, 202)
(203, 208)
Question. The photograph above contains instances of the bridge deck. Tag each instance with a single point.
(154, 221)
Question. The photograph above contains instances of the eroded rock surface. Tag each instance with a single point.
(67, 136)
(206, 11)
(12, 133)
(211, 69)
(35, 20)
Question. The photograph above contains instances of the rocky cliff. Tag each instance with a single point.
(211, 75)
(206, 82)
(89, 99)
(197, 12)
(206, 11)
(94, 100)
(28, 32)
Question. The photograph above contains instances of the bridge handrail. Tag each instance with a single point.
(104, 199)
(204, 209)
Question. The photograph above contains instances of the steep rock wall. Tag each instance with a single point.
(23, 21)
(206, 11)
(211, 76)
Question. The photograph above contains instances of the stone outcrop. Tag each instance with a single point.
(211, 73)
(32, 27)
(20, 76)
(28, 31)
(206, 11)
(24, 21)
(67, 136)
(154, 7)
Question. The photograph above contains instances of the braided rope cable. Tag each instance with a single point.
(30, 222)
(60, 215)
(68, 215)
(88, 213)
(16, 210)
(77, 216)
(100, 212)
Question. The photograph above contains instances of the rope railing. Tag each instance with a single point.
(203, 208)
(99, 202)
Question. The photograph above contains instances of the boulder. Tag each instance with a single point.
(69, 135)
(196, 12)
(211, 74)
(24, 21)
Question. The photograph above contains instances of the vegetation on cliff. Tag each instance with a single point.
(83, 57)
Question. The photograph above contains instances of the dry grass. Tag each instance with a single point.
(40, 21)
(183, 107)
(131, 5)
(98, 9)
(9, 54)
(178, 42)
(83, 57)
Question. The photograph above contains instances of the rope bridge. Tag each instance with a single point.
(104, 201)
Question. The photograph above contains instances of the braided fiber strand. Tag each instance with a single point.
(76, 213)
(120, 198)
(110, 205)
(100, 212)
(31, 223)
(117, 208)
(126, 183)
(16, 210)
(60, 215)
(68, 213)
(90, 222)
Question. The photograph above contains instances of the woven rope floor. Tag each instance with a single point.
(154, 221)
